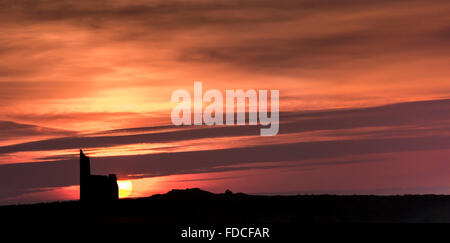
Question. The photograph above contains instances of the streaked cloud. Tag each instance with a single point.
(308, 142)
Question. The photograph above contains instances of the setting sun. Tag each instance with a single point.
(125, 188)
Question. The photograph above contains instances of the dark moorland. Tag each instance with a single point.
(195, 206)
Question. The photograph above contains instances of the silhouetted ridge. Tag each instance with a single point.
(195, 194)
(195, 206)
(186, 194)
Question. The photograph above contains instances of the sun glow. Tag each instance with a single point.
(125, 188)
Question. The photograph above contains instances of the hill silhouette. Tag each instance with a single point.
(198, 206)
(163, 216)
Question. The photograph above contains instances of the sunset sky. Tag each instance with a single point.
(364, 95)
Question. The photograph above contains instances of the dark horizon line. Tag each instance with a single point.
(266, 195)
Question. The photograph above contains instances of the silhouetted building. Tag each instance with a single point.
(96, 188)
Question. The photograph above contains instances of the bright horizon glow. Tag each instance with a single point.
(125, 188)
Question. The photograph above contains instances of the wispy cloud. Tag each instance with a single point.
(350, 136)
